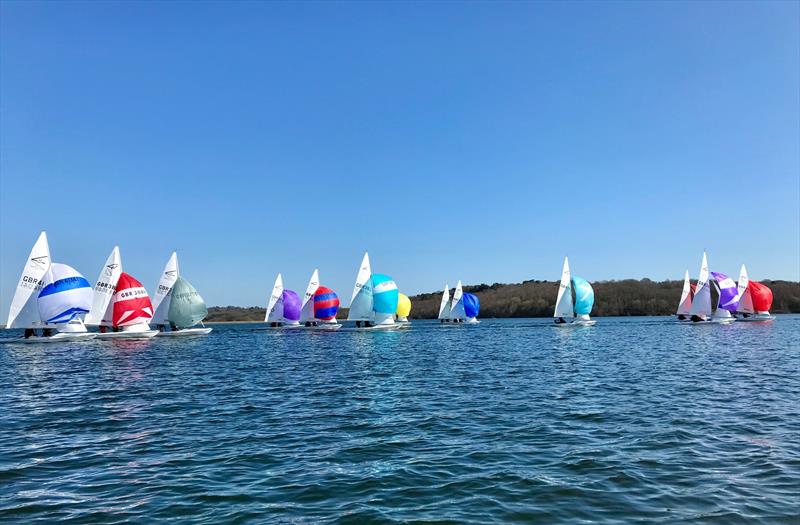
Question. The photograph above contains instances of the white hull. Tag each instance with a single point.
(377, 327)
(185, 332)
(756, 319)
(575, 324)
(62, 337)
(719, 320)
(146, 334)
(328, 327)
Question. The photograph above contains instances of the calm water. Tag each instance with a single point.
(634, 420)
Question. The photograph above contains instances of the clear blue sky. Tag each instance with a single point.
(480, 141)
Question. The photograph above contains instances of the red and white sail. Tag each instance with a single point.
(131, 303)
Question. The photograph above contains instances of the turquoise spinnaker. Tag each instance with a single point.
(584, 296)
(384, 294)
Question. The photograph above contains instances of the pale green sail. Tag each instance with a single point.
(187, 308)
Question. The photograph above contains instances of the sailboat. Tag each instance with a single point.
(120, 302)
(702, 310)
(131, 311)
(49, 295)
(374, 301)
(685, 304)
(403, 310)
(319, 307)
(178, 304)
(755, 299)
(65, 297)
(444, 306)
(584, 300)
(283, 307)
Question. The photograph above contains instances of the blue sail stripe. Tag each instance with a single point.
(62, 285)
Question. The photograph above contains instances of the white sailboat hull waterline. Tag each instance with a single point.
(146, 334)
(186, 332)
(756, 319)
(61, 337)
(578, 323)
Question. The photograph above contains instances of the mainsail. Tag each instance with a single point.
(444, 305)
(701, 304)
(745, 298)
(685, 306)
(457, 310)
(24, 312)
(65, 295)
(131, 303)
(362, 299)
(564, 299)
(186, 307)
(102, 306)
(275, 303)
(307, 308)
(161, 299)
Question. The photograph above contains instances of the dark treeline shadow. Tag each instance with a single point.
(538, 298)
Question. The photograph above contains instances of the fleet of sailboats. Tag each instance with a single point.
(57, 300)
(742, 301)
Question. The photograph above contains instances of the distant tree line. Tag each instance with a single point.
(538, 298)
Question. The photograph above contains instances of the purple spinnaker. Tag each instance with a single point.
(728, 293)
(291, 306)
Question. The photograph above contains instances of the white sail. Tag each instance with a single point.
(307, 310)
(701, 304)
(24, 311)
(564, 306)
(444, 305)
(275, 304)
(745, 299)
(457, 309)
(361, 301)
(104, 287)
(161, 298)
(685, 306)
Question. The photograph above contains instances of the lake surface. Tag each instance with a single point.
(640, 420)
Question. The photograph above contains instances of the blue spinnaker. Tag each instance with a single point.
(584, 296)
(384, 294)
(472, 305)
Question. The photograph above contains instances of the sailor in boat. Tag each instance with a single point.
(173, 327)
(47, 332)
(29, 332)
(697, 319)
(681, 317)
(559, 320)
